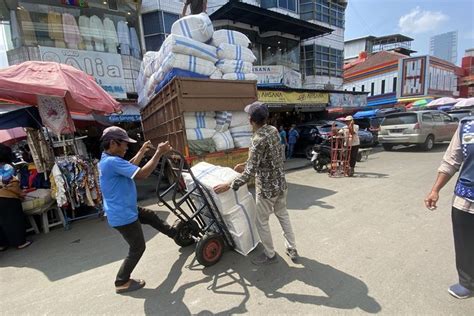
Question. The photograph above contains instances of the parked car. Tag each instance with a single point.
(457, 115)
(370, 124)
(422, 128)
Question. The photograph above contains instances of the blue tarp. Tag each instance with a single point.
(23, 117)
(175, 72)
(364, 114)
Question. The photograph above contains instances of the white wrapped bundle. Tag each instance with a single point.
(189, 63)
(223, 119)
(217, 74)
(231, 66)
(223, 141)
(229, 51)
(198, 27)
(230, 37)
(237, 207)
(242, 136)
(200, 120)
(199, 133)
(187, 46)
(240, 76)
(239, 118)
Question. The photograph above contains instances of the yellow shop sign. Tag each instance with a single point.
(293, 97)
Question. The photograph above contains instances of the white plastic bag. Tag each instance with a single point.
(223, 141)
(198, 27)
(229, 51)
(189, 63)
(217, 74)
(199, 133)
(223, 119)
(240, 76)
(199, 120)
(242, 136)
(232, 66)
(230, 37)
(239, 118)
(187, 46)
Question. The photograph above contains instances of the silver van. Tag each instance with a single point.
(422, 128)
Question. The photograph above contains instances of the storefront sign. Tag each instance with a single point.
(106, 68)
(277, 76)
(413, 74)
(347, 100)
(282, 97)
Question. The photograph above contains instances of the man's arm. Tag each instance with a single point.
(186, 4)
(253, 161)
(139, 156)
(146, 171)
(204, 6)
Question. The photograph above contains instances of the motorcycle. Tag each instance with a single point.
(321, 155)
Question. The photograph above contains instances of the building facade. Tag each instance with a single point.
(466, 89)
(99, 37)
(445, 46)
(371, 44)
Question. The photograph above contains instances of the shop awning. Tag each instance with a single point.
(268, 20)
(364, 114)
(19, 116)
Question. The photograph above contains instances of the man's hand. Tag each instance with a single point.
(163, 148)
(431, 200)
(240, 167)
(146, 146)
(221, 188)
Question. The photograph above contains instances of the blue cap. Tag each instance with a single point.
(257, 111)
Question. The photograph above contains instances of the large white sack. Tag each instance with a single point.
(239, 118)
(237, 207)
(223, 141)
(217, 74)
(223, 119)
(199, 120)
(187, 46)
(232, 66)
(199, 133)
(229, 51)
(198, 27)
(230, 37)
(189, 63)
(242, 136)
(240, 76)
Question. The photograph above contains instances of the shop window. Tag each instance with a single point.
(325, 11)
(156, 26)
(168, 20)
(152, 23)
(153, 43)
(289, 5)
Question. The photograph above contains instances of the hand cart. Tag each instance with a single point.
(340, 154)
(199, 220)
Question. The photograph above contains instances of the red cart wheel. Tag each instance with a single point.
(209, 249)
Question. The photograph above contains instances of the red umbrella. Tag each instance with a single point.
(9, 136)
(23, 83)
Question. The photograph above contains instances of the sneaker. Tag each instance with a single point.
(264, 260)
(292, 253)
(459, 291)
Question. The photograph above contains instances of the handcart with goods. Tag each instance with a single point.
(198, 218)
(340, 154)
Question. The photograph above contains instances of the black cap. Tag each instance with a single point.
(257, 111)
(116, 133)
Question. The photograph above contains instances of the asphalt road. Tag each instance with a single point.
(367, 245)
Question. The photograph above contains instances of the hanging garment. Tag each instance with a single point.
(97, 31)
(72, 35)
(86, 32)
(16, 33)
(110, 36)
(134, 43)
(60, 193)
(55, 115)
(123, 37)
(55, 29)
(29, 35)
(41, 151)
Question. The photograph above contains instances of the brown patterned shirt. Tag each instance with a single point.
(265, 162)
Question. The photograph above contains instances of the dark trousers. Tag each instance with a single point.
(12, 223)
(353, 157)
(463, 230)
(133, 235)
(291, 149)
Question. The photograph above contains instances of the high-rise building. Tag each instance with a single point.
(445, 46)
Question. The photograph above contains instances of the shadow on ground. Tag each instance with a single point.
(234, 275)
(304, 197)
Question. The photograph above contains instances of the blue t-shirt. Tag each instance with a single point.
(118, 189)
(293, 136)
(283, 137)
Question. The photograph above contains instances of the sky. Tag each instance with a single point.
(417, 19)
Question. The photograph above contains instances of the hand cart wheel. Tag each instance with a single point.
(209, 249)
(185, 232)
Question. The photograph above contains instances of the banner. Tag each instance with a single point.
(293, 97)
(277, 75)
(106, 68)
(348, 100)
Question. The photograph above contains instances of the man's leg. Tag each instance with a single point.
(354, 152)
(281, 212)
(133, 235)
(463, 230)
(264, 209)
(149, 217)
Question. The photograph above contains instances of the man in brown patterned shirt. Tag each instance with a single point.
(265, 162)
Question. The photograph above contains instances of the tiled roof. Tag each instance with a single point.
(374, 60)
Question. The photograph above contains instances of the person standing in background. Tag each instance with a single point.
(284, 142)
(197, 6)
(293, 136)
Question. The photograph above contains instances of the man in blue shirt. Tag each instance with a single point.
(284, 141)
(293, 136)
(120, 199)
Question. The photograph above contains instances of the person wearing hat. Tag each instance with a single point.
(117, 177)
(351, 133)
(265, 162)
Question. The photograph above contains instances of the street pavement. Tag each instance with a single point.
(367, 246)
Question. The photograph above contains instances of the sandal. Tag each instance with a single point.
(133, 286)
(25, 245)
